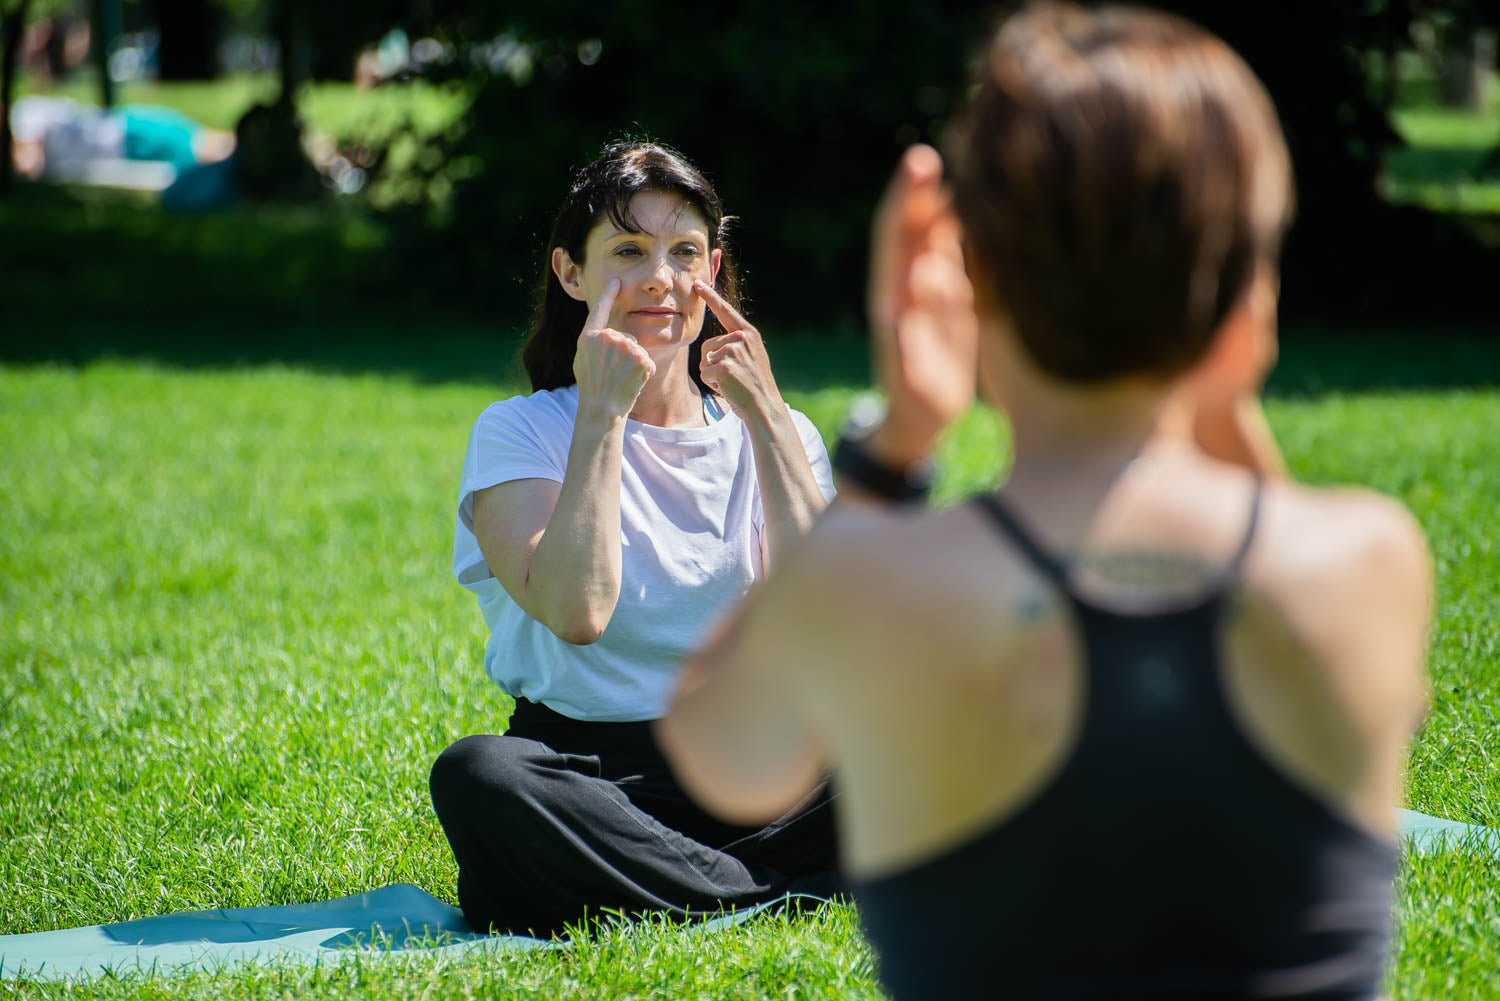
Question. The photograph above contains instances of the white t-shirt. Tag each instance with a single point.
(72, 135)
(691, 520)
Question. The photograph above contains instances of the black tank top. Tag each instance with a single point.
(1168, 859)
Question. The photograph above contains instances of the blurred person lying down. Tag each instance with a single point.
(60, 139)
(150, 148)
(1133, 725)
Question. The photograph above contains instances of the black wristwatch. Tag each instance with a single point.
(853, 462)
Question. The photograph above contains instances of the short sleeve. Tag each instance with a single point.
(517, 439)
(817, 453)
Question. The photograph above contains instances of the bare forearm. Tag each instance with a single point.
(789, 490)
(574, 575)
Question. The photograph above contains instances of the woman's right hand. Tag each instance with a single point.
(1222, 394)
(611, 368)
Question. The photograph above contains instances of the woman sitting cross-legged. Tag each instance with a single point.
(1133, 726)
(603, 522)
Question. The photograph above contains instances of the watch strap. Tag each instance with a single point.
(854, 463)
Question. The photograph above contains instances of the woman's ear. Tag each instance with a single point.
(569, 275)
(978, 274)
(714, 260)
(1264, 293)
(1222, 393)
(1244, 349)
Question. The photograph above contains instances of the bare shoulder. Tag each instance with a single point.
(849, 543)
(879, 583)
(1346, 532)
(1347, 571)
(896, 554)
(1328, 639)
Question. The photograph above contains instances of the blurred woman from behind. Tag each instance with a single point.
(1133, 726)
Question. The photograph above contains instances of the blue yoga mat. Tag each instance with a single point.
(392, 919)
(400, 916)
(1423, 833)
(389, 920)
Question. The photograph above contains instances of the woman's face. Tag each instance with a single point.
(656, 268)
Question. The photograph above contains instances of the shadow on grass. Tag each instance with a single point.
(436, 349)
(1418, 164)
(92, 275)
(1314, 362)
(86, 276)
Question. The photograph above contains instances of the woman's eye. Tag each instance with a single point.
(628, 250)
(688, 250)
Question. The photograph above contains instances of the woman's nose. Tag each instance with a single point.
(659, 278)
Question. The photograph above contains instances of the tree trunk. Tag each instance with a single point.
(55, 42)
(1396, 32)
(12, 24)
(190, 31)
(106, 29)
(1482, 70)
(288, 37)
(1464, 71)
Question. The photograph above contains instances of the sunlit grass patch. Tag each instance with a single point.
(230, 648)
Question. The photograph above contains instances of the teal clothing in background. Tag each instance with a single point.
(203, 188)
(155, 133)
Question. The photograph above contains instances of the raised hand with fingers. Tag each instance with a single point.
(611, 368)
(924, 333)
(735, 364)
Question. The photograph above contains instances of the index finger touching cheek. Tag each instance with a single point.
(599, 315)
(727, 314)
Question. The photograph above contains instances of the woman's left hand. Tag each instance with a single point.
(923, 328)
(735, 364)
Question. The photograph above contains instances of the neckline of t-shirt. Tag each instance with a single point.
(720, 428)
(652, 432)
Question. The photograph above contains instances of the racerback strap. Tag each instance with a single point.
(1011, 528)
(1055, 570)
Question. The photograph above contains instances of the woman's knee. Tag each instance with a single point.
(481, 768)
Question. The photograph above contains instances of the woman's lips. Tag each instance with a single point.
(655, 311)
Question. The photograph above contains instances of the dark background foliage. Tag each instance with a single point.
(797, 112)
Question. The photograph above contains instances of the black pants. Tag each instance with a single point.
(559, 819)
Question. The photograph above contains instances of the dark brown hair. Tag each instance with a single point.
(1121, 173)
(603, 190)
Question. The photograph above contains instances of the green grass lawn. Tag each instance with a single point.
(230, 644)
(1451, 158)
(340, 109)
(230, 647)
